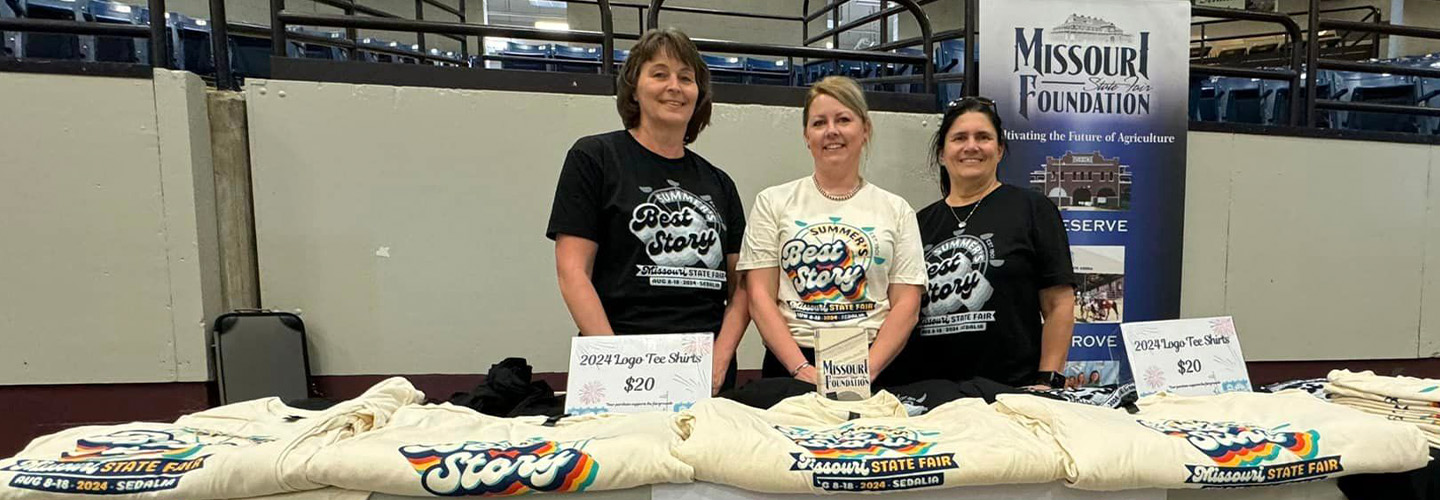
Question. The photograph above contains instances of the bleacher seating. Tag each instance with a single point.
(588, 59)
(1219, 99)
(724, 69)
(760, 71)
(46, 45)
(110, 48)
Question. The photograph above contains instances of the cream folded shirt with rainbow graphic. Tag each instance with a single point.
(809, 444)
(241, 450)
(1226, 440)
(447, 450)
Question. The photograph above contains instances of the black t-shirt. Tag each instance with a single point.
(980, 314)
(664, 228)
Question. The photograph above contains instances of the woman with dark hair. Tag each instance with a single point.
(646, 231)
(1001, 294)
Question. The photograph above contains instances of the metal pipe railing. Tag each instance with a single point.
(220, 46)
(828, 8)
(861, 21)
(971, 66)
(605, 38)
(1292, 32)
(653, 21)
(1316, 64)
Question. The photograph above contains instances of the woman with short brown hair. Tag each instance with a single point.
(646, 231)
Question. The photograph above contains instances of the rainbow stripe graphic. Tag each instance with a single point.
(1245, 452)
(575, 476)
(876, 440)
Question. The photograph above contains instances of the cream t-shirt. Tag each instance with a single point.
(836, 258)
(241, 450)
(809, 444)
(448, 450)
(1227, 440)
(1403, 389)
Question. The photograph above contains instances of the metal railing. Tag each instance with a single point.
(159, 50)
(1313, 61)
(1372, 15)
(1292, 34)
(280, 19)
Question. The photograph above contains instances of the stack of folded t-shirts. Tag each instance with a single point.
(449, 450)
(1314, 386)
(241, 450)
(1110, 396)
(809, 444)
(1227, 440)
(1411, 400)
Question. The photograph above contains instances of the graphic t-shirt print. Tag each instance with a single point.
(957, 291)
(826, 263)
(681, 233)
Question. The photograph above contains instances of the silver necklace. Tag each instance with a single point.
(837, 197)
(961, 223)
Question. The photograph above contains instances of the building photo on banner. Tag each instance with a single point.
(1093, 96)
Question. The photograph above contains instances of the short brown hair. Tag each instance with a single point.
(664, 41)
(840, 88)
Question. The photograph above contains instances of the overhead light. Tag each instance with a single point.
(123, 9)
(829, 45)
(200, 22)
(552, 25)
(733, 60)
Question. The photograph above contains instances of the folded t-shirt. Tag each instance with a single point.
(247, 449)
(448, 450)
(1227, 440)
(1399, 387)
(809, 444)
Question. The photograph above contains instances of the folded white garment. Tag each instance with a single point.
(247, 449)
(448, 450)
(809, 444)
(1227, 440)
(1399, 387)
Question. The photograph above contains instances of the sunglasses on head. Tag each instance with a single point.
(983, 101)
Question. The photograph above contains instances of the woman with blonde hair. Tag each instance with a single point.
(830, 249)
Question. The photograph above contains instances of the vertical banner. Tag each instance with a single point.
(1093, 98)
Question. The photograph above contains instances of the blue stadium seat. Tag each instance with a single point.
(1243, 101)
(190, 45)
(725, 69)
(113, 48)
(776, 71)
(516, 49)
(320, 50)
(814, 71)
(950, 56)
(589, 58)
(9, 42)
(1405, 94)
(46, 45)
(1205, 95)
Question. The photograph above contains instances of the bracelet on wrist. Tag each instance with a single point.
(797, 369)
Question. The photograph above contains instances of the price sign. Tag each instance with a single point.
(637, 373)
(1189, 357)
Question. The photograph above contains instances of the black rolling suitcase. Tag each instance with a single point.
(261, 353)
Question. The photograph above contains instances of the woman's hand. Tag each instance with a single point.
(717, 375)
(808, 374)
